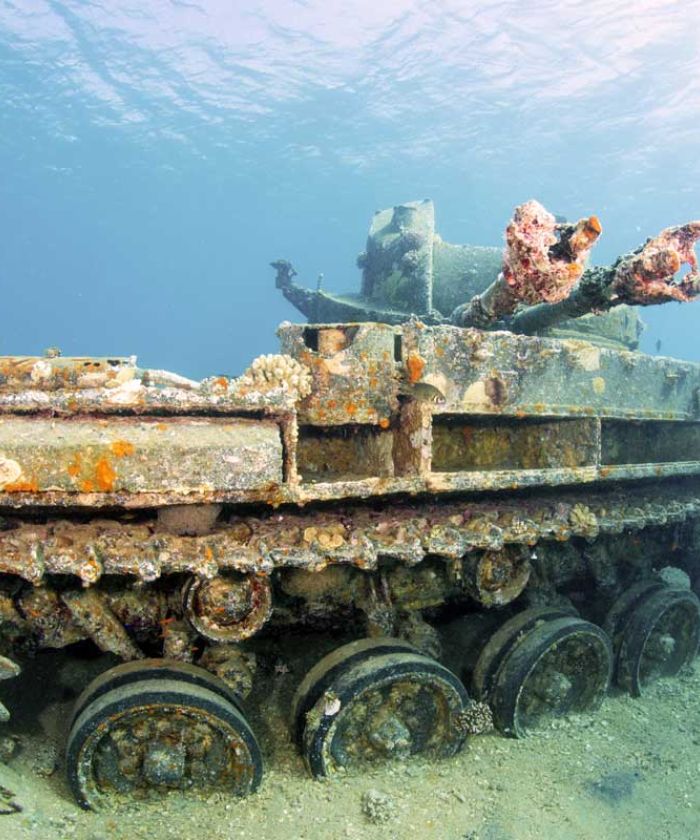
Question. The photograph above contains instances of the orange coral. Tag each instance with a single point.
(105, 475)
(415, 365)
(122, 448)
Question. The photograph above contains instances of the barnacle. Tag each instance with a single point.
(331, 536)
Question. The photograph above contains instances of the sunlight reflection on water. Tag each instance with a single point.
(425, 75)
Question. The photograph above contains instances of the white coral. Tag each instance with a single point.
(269, 372)
(583, 520)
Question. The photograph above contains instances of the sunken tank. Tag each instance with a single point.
(500, 522)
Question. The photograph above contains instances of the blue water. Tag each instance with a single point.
(155, 156)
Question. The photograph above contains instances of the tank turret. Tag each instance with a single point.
(409, 269)
(539, 285)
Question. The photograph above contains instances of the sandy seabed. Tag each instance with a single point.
(630, 770)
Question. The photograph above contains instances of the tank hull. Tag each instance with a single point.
(369, 478)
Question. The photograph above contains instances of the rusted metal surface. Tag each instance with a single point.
(397, 267)
(353, 382)
(8, 669)
(366, 477)
(91, 613)
(503, 373)
(156, 733)
(232, 665)
(349, 419)
(48, 617)
(361, 382)
(179, 640)
(227, 609)
(14, 626)
(387, 565)
(494, 578)
(313, 540)
(272, 384)
(188, 519)
(126, 456)
(52, 373)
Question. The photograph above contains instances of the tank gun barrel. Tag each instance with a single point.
(302, 299)
(645, 277)
(542, 261)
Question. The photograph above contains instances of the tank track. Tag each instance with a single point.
(314, 539)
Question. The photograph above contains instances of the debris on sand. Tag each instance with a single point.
(378, 807)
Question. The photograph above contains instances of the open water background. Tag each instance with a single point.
(155, 155)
